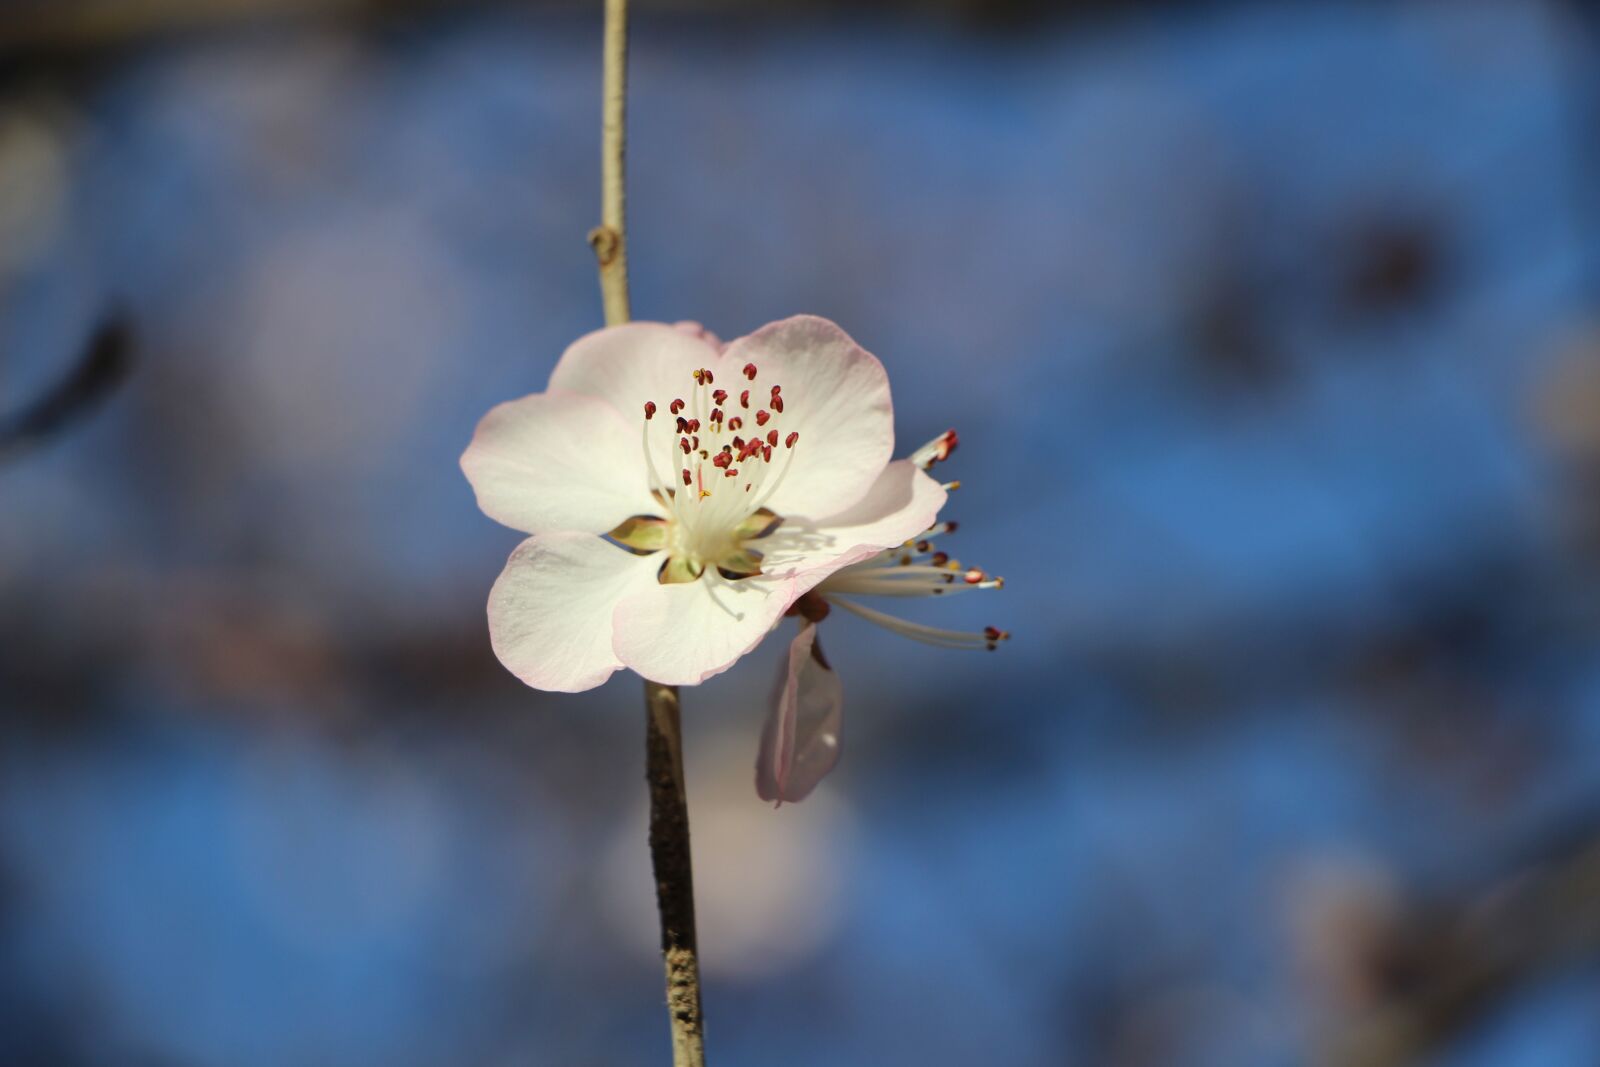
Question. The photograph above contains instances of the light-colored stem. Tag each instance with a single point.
(609, 238)
(669, 801)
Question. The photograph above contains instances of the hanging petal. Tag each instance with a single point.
(800, 741)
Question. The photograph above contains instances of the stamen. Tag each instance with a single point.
(936, 451)
(656, 481)
(788, 442)
(929, 635)
(762, 416)
(649, 409)
(750, 371)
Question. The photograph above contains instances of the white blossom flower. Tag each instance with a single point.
(800, 742)
(681, 496)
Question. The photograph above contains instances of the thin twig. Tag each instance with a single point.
(669, 856)
(669, 802)
(610, 245)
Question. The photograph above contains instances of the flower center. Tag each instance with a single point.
(729, 454)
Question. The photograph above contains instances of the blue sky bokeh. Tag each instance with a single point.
(1269, 333)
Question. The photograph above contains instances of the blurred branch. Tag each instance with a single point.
(1474, 953)
(73, 26)
(86, 25)
(103, 365)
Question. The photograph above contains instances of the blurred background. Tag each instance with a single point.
(1270, 331)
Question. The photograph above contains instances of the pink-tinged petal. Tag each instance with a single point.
(551, 609)
(557, 461)
(636, 363)
(685, 632)
(836, 396)
(901, 504)
(800, 741)
(694, 329)
(629, 364)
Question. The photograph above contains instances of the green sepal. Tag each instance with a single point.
(642, 534)
(678, 569)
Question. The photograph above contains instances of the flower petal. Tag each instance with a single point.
(800, 741)
(629, 364)
(633, 363)
(557, 461)
(695, 329)
(683, 633)
(836, 395)
(550, 611)
(901, 504)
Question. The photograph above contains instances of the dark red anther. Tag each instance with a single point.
(683, 424)
(687, 477)
(744, 399)
(709, 377)
(950, 527)
(719, 396)
(735, 422)
(649, 409)
(683, 442)
(939, 559)
(788, 442)
(922, 546)
(699, 376)
(750, 371)
(766, 453)
(694, 443)
(721, 459)
(716, 415)
(731, 472)
(762, 416)
(777, 402)
(738, 442)
(772, 437)
(676, 406)
(694, 425)
(776, 389)
(994, 633)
